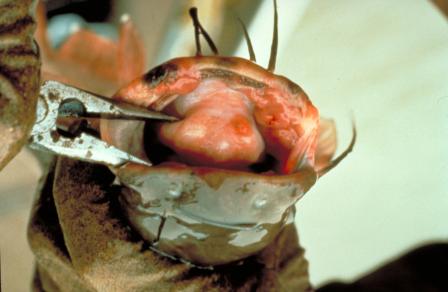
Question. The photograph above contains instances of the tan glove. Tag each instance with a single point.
(82, 243)
(19, 76)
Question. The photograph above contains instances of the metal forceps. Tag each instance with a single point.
(58, 100)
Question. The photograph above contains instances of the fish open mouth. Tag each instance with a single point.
(227, 173)
(216, 129)
(220, 179)
(224, 122)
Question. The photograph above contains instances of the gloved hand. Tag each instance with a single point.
(82, 242)
(19, 76)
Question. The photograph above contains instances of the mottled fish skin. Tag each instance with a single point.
(280, 105)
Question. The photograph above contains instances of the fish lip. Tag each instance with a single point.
(279, 192)
(217, 223)
(201, 220)
(305, 170)
(305, 177)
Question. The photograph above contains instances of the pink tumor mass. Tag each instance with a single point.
(216, 129)
(228, 121)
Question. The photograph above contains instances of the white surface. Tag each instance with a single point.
(387, 61)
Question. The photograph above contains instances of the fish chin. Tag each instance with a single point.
(209, 216)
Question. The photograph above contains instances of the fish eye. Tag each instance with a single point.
(157, 74)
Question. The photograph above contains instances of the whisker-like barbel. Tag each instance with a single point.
(338, 159)
(250, 48)
(199, 29)
(274, 45)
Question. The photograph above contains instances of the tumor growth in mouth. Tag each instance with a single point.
(217, 128)
(226, 125)
(225, 119)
